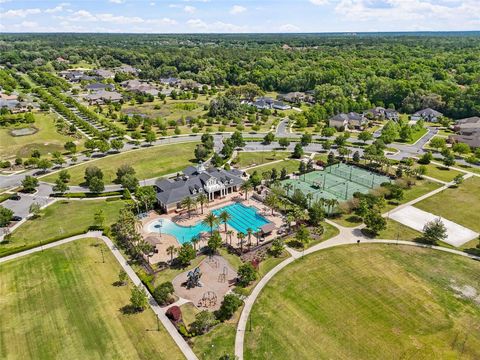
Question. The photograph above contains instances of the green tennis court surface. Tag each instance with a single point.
(339, 181)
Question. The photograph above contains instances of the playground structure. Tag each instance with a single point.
(193, 278)
(217, 278)
(208, 300)
(339, 182)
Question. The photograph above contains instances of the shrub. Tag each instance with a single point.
(230, 304)
(246, 274)
(162, 293)
(174, 313)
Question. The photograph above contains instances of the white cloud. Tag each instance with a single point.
(433, 15)
(86, 16)
(152, 4)
(116, 1)
(22, 13)
(237, 9)
(189, 9)
(58, 8)
(319, 2)
(289, 28)
(217, 26)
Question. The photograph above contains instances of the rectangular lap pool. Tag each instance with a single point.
(242, 218)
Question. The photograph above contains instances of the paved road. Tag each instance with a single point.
(21, 207)
(159, 312)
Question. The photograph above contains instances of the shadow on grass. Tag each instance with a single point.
(130, 310)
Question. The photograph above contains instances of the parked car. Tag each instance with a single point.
(15, 197)
(16, 218)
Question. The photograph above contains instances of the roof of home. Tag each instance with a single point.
(193, 182)
(99, 86)
(351, 116)
(470, 120)
(9, 103)
(428, 112)
(106, 95)
(104, 73)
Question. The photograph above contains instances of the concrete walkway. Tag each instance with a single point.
(160, 312)
(347, 236)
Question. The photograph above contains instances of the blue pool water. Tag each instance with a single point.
(242, 218)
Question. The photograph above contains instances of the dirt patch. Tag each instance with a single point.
(23, 131)
(466, 292)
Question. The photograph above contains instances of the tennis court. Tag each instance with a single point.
(339, 182)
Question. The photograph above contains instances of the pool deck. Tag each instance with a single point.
(163, 241)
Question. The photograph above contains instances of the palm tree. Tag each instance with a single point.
(229, 235)
(211, 220)
(249, 232)
(287, 188)
(171, 250)
(202, 199)
(188, 203)
(246, 186)
(195, 240)
(240, 237)
(224, 217)
(290, 219)
(309, 197)
(271, 201)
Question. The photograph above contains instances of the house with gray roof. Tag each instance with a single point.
(102, 96)
(99, 86)
(196, 180)
(467, 124)
(347, 120)
(427, 114)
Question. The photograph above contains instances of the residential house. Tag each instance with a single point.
(104, 74)
(278, 105)
(62, 60)
(12, 103)
(265, 102)
(468, 131)
(382, 113)
(76, 76)
(298, 97)
(102, 97)
(140, 87)
(197, 180)
(100, 86)
(350, 120)
(128, 69)
(427, 114)
(171, 81)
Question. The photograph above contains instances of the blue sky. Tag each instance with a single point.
(200, 16)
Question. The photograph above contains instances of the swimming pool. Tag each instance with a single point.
(242, 218)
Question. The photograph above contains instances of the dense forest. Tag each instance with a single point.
(407, 72)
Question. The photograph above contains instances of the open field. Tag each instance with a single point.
(247, 159)
(148, 163)
(441, 173)
(60, 220)
(362, 302)
(46, 139)
(416, 135)
(291, 165)
(460, 205)
(62, 304)
(397, 231)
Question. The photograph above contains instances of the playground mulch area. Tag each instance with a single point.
(339, 182)
(217, 278)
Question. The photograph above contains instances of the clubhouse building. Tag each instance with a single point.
(213, 182)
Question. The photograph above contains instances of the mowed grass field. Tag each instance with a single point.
(148, 163)
(461, 205)
(46, 139)
(369, 302)
(247, 159)
(290, 165)
(62, 304)
(60, 220)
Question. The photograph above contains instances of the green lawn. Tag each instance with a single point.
(290, 164)
(247, 159)
(461, 205)
(368, 302)
(46, 139)
(60, 220)
(441, 173)
(148, 163)
(62, 304)
(397, 231)
(329, 232)
(415, 136)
